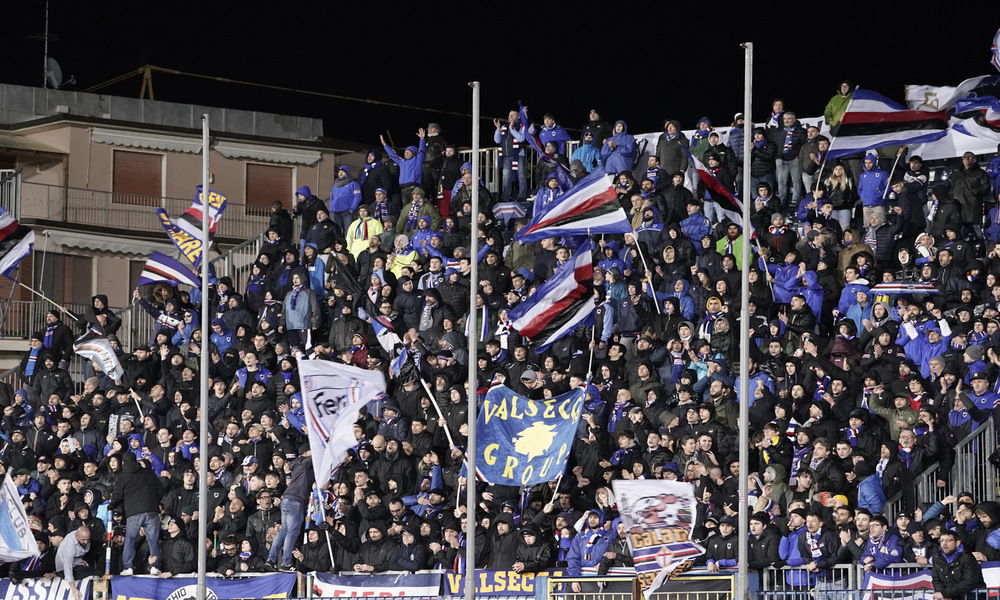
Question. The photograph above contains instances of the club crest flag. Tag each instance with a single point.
(332, 395)
(16, 540)
(658, 516)
(524, 442)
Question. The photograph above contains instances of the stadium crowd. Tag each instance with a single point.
(854, 391)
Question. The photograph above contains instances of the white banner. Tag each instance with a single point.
(332, 395)
(658, 516)
(16, 539)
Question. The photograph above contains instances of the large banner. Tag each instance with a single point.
(16, 540)
(326, 585)
(496, 583)
(524, 442)
(658, 517)
(43, 589)
(275, 585)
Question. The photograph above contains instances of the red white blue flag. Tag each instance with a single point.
(873, 121)
(590, 207)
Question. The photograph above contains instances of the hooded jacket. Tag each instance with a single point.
(620, 157)
(588, 546)
(380, 554)
(137, 488)
(346, 193)
(673, 150)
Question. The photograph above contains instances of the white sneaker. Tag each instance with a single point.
(126, 572)
(154, 571)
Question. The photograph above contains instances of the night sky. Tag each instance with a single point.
(635, 63)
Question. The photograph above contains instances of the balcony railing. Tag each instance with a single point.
(116, 211)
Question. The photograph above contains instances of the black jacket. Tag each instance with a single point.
(137, 488)
(956, 578)
(762, 552)
(178, 555)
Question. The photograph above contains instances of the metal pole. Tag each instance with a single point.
(470, 447)
(742, 588)
(203, 375)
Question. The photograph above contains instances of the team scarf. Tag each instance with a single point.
(591, 540)
(49, 335)
(813, 540)
(616, 415)
(906, 455)
(380, 211)
(730, 241)
(880, 466)
(798, 455)
(619, 455)
(413, 215)
(361, 232)
(255, 285)
(852, 435)
(866, 394)
(286, 274)
(821, 388)
(789, 135)
(29, 369)
(295, 295)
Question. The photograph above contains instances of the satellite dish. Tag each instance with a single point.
(53, 73)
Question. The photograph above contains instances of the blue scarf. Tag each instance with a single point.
(47, 342)
(295, 295)
(29, 369)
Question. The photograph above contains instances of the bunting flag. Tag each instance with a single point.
(728, 206)
(332, 395)
(98, 349)
(162, 268)
(590, 207)
(186, 232)
(560, 304)
(873, 121)
(16, 540)
(918, 585)
(658, 516)
(16, 241)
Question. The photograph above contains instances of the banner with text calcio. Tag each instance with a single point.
(275, 585)
(496, 583)
(523, 442)
(47, 589)
(326, 585)
(658, 516)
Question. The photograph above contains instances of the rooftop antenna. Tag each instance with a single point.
(51, 72)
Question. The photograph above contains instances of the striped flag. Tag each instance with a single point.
(728, 205)
(16, 241)
(191, 222)
(561, 303)
(386, 335)
(397, 365)
(508, 210)
(98, 349)
(873, 121)
(920, 584)
(590, 207)
(161, 268)
(332, 396)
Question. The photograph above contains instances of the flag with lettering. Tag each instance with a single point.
(16, 540)
(332, 395)
(524, 442)
(186, 232)
(658, 516)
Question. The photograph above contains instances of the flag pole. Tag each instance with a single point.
(437, 408)
(203, 375)
(742, 587)
(645, 267)
(44, 297)
(470, 494)
(888, 184)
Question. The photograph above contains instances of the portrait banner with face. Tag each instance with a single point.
(658, 517)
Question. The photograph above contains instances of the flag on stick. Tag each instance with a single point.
(16, 241)
(98, 349)
(332, 395)
(560, 304)
(16, 540)
(873, 121)
(160, 267)
(590, 207)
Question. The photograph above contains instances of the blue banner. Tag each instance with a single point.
(523, 442)
(327, 585)
(49, 589)
(496, 583)
(274, 585)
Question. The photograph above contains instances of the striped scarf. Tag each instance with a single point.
(411, 217)
(295, 296)
(29, 369)
(49, 334)
(380, 211)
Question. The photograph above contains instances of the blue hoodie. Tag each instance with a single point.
(619, 158)
(346, 193)
(410, 169)
(872, 183)
(588, 546)
(222, 340)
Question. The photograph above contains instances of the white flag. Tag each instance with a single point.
(16, 539)
(99, 350)
(939, 97)
(332, 395)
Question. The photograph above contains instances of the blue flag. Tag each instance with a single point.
(525, 442)
(397, 364)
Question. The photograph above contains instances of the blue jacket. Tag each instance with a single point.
(619, 158)
(346, 193)
(872, 184)
(695, 227)
(555, 134)
(222, 340)
(786, 276)
(885, 553)
(870, 495)
(588, 547)
(588, 154)
(848, 296)
(410, 170)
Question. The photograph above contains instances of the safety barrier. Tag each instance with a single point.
(793, 578)
(973, 471)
